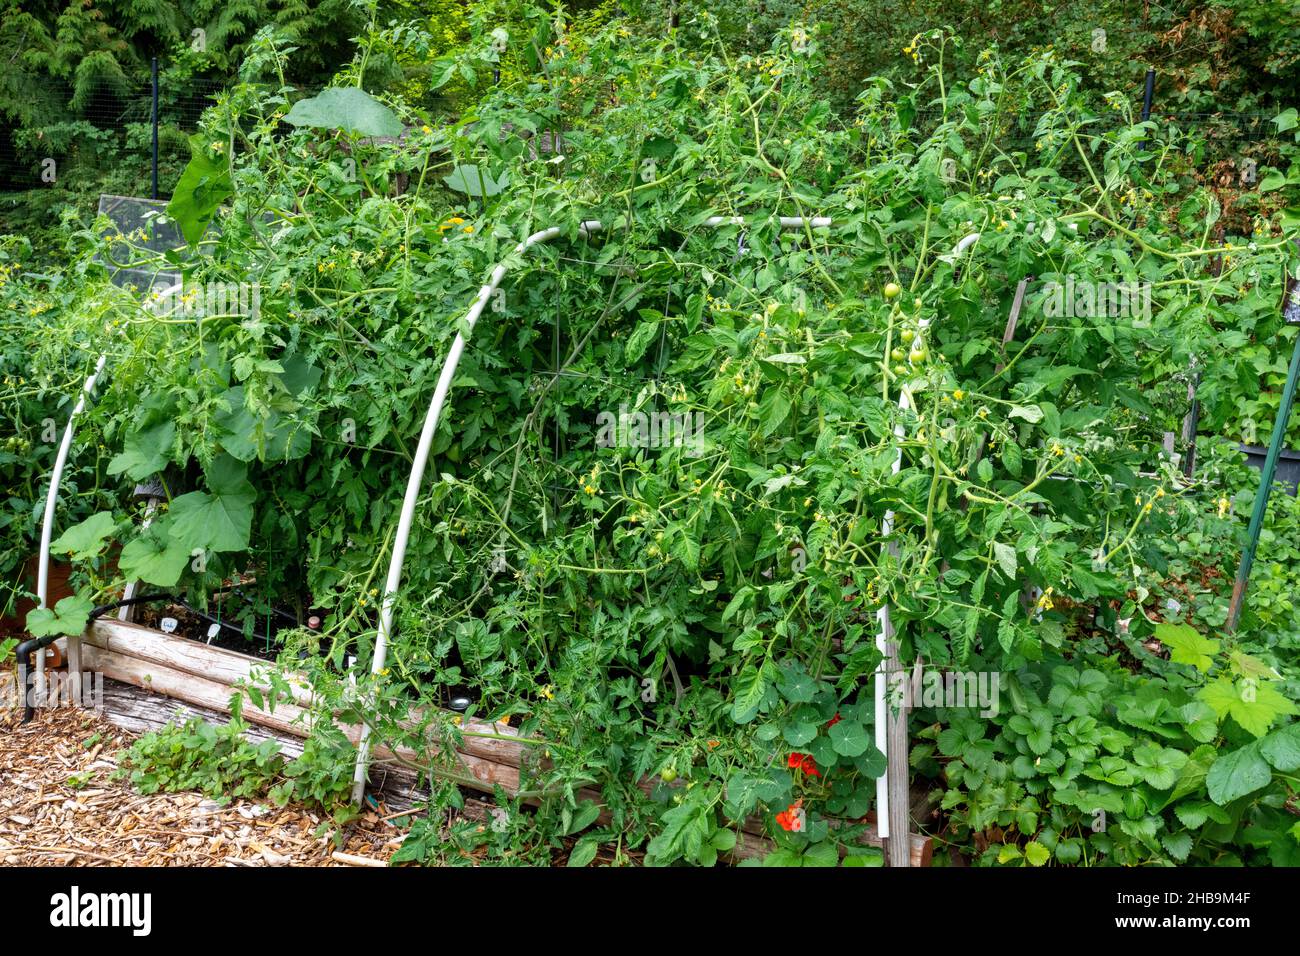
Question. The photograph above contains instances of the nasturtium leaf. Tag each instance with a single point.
(346, 108)
(85, 540)
(144, 452)
(849, 739)
(796, 685)
(798, 733)
(1238, 773)
(1187, 646)
(68, 617)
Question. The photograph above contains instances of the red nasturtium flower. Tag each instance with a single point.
(804, 762)
(788, 819)
(834, 720)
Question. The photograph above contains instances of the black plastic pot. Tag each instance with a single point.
(1288, 465)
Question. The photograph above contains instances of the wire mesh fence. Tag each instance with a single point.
(109, 127)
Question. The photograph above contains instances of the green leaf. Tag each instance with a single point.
(1030, 413)
(1006, 556)
(1281, 748)
(473, 180)
(144, 452)
(85, 540)
(850, 739)
(1187, 646)
(203, 187)
(346, 108)
(1253, 704)
(584, 851)
(219, 519)
(787, 358)
(1238, 773)
(68, 617)
(1036, 853)
(773, 411)
(154, 557)
(821, 854)
(750, 686)
(639, 341)
(799, 733)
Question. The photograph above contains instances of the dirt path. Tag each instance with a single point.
(60, 806)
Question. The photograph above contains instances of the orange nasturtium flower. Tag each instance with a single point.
(804, 762)
(788, 819)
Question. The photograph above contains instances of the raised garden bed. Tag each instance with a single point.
(207, 676)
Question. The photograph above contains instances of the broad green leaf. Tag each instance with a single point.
(203, 187)
(474, 180)
(219, 519)
(85, 540)
(750, 687)
(1281, 748)
(1187, 646)
(1238, 773)
(1253, 704)
(68, 617)
(346, 108)
(849, 738)
(154, 557)
(144, 453)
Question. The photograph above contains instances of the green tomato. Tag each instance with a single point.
(918, 355)
(898, 355)
(892, 289)
(907, 335)
(668, 775)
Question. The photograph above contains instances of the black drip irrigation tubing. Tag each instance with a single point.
(40, 643)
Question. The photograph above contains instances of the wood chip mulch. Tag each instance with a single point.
(59, 806)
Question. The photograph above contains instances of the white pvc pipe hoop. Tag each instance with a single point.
(51, 498)
(394, 581)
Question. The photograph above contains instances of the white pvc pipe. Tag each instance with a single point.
(51, 496)
(47, 525)
(394, 581)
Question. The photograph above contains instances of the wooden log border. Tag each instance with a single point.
(205, 676)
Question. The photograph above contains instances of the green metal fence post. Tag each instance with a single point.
(1291, 312)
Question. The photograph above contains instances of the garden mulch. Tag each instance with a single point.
(60, 806)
